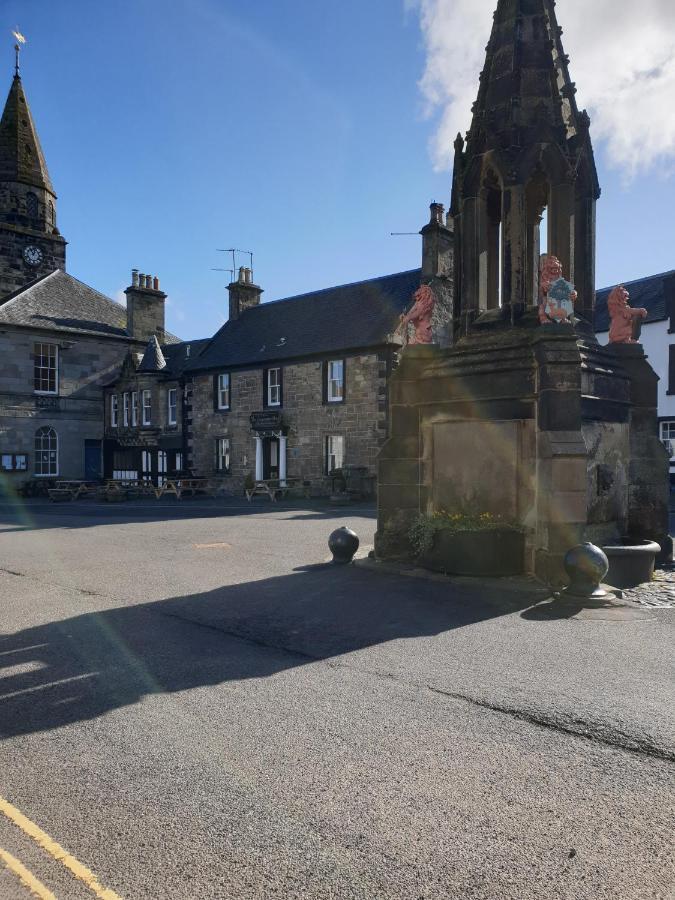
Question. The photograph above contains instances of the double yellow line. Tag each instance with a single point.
(56, 851)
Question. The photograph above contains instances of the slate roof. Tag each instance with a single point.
(59, 302)
(333, 320)
(651, 293)
(153, 358)
(176, 355)
(21, 156)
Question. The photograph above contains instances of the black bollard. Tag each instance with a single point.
(343, 544)
(586, 566)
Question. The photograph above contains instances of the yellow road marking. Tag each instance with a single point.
(56, 851)
(26, 878)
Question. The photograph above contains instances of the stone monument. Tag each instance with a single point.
(523, 414)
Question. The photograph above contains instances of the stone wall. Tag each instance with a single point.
(76, 414)
(361, 419)
(15, 273)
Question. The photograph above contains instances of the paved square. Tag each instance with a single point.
(195, 705)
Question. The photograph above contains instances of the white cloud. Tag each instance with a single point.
(622, 60)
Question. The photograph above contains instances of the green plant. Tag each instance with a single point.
(423, 530)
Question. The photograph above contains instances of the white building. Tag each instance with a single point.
(656, 294)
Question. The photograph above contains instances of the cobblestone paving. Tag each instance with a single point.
(659, 593)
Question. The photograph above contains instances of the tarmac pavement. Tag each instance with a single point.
(193, 704)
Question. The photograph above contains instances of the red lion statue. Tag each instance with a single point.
(622, 316)
(420, 316)
(551, 271)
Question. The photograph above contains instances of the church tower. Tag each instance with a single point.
(30, 243)
(528, 151)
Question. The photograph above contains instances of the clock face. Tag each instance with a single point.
(33, 256)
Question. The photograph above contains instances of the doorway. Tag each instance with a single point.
(92, 460)
(270, 458)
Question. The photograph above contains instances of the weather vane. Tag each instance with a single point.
(20, 40)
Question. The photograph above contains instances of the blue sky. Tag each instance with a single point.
(293, 128)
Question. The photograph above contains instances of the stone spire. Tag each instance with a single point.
(528, 150)
(21, 156)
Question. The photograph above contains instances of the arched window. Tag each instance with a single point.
(32, 205)
(46, 451)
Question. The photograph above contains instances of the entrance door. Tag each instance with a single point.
(270, 458)
(92, 460)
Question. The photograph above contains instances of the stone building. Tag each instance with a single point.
(297, 388)
(521, 417)
(61, 341)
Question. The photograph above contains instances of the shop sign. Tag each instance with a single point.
(269, 420)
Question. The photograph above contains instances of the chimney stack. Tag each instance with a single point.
(244, 294)
(145, 307)
(437, 245)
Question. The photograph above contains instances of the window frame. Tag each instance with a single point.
(327, 452)
(45, 431)
(220, 390)
(134, 409)
(125, 409)
(172, 420)
(56, 369)
(114, 411)
(328, 381)
(226, 456)
(146, 394)
(267, 388)
(668, 442)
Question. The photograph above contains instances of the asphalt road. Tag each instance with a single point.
(194, 705)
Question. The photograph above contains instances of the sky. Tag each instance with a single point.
(307, 131)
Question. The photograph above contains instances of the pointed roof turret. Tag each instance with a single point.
(153, 358)
(21, 156)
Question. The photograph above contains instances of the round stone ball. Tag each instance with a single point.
(586, 566)
(343, 544)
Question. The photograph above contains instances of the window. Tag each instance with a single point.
(224, 391)
(134, 408)
(52, 214)
(179, 461)
(223, 454)
(45, 368)
(147, 408)
(335, 381)
(113, 411)
(46, 451)
(273, 387)
(668, 436)
(172, 399)
(31, 205)
(125, 413)
(335, 452)
(146, 465)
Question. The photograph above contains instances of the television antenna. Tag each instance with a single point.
(234, 251)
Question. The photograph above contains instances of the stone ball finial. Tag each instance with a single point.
(587, 566)
(343, 544)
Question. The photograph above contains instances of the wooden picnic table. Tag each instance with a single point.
(73, 490)
(180, 486)
(272, 488)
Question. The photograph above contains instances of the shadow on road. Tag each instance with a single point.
(79, 668)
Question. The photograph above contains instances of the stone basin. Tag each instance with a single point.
(631, 563)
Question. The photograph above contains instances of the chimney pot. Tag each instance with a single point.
(141, 280)
(134, 277)
(242, 274)
(155, 283)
